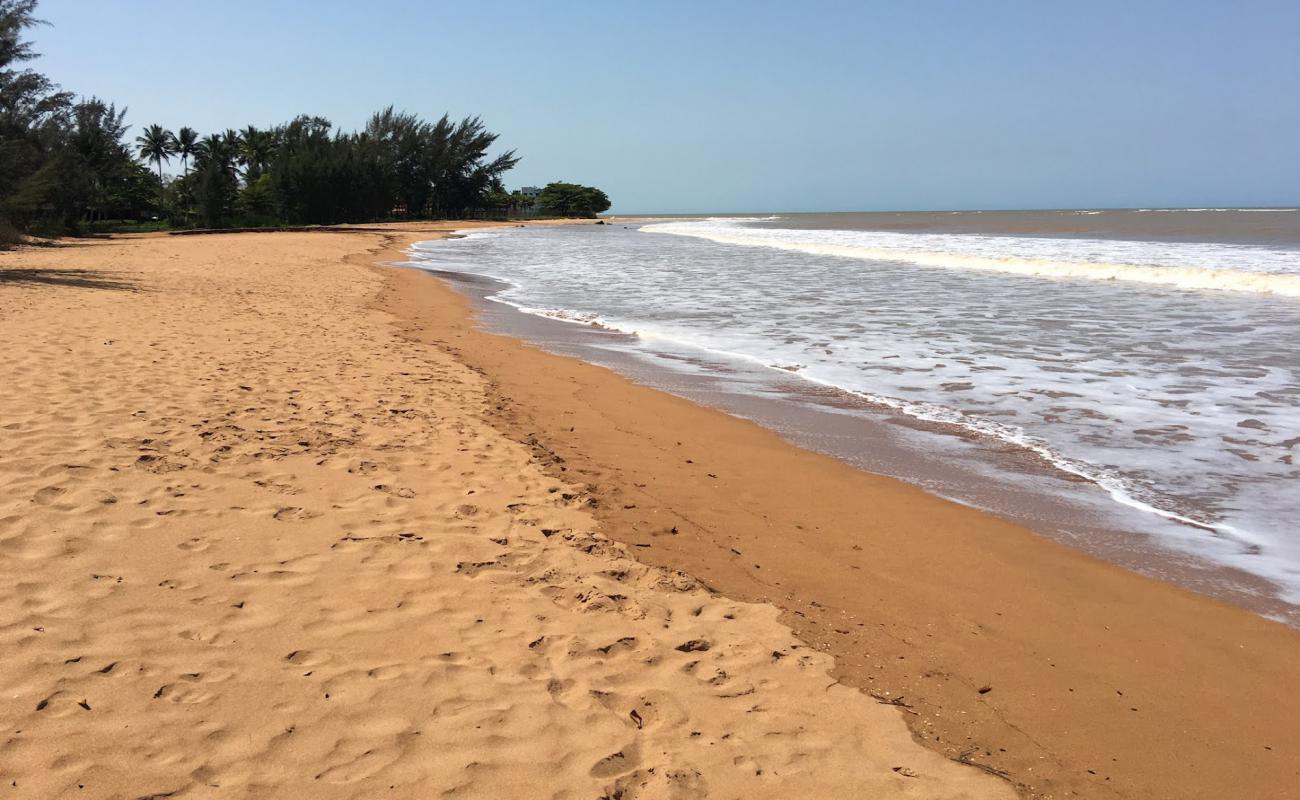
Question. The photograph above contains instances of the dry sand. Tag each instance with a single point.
(255, 541)
(1100, 683)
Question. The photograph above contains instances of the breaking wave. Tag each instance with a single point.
(1180, 265)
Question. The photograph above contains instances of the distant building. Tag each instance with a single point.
(531, 194)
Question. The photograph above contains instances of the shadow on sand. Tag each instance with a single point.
(79, 278)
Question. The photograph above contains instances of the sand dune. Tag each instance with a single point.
(256, 543)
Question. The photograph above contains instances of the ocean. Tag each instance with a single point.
(1125, 381)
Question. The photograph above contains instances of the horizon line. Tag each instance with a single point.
(952, 210)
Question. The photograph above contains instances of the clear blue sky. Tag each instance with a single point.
(752, 106)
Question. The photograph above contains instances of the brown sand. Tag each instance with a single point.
(256, 542)
(1073, 677)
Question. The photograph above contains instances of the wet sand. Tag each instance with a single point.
(1068, 675)
(1012, 482)
(259, 539)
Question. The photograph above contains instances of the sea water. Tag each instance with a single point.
(1153, 354)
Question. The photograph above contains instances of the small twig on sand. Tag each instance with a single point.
(965, 758)
(892, 701)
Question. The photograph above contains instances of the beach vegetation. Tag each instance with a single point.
(33, 112)
(572, 200)
(66, 165)
(156, 145)
(187, 143)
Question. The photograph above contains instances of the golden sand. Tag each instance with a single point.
(1101, 683)
(256, 541)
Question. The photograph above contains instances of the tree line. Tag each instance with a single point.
(572, 200)
(68, 164)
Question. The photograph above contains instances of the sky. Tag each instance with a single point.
(751, 106)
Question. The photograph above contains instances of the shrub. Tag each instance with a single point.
(9, 235)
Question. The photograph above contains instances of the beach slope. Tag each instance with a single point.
(258, 541)
(1073, 676)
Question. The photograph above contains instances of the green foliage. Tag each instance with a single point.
(398, 165)
(320, 177)
(156, 145)
(66, 166)
(187, 146)
(133, 193)
(257, 201)
(62, 164)
(9, 235)
(86, 174)
(498, 200)
(215, 182)
(127, 225)
(572, 200)
(32, 113)
(438, 169)
(255, 149)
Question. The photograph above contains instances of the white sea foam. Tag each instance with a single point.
(1192, 266)
(1120, 489)
(1181, 404)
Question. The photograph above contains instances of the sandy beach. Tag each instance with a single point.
(280, 522)
(1069, 675)
(257, 540)
(810, 403)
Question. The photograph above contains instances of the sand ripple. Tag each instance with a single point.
(254, 543)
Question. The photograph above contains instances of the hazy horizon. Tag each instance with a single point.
(750, 211)
(679, 108)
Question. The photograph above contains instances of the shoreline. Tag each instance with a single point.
(941, 458)
(241, 507)
(241, 470)
(866, 569)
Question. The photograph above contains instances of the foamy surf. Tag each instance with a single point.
(1116, 486)
(1180, 405)
(1188, 266)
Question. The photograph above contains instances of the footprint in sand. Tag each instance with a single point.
(209, 636)
(294, 514)
(103, 498)
(659, 782)
(307, 658)
(389, 672)
(63, 704)
(618, 763)
(396, 491)
(68, 469)
(613, 648)
(472, 568)
(361, 767)
(183, 694)
(277, 486)
(48, 495)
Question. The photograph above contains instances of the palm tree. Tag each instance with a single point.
(215, 182)
(213, 147)
(187, 146)
(255, 148)
(157, 145)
